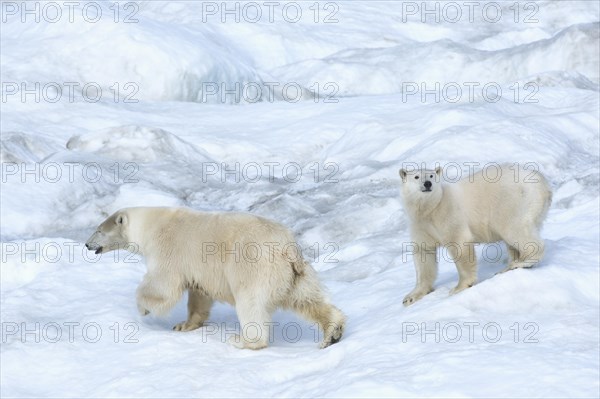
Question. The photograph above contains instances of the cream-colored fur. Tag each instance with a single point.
(247, 261)
(476, 209)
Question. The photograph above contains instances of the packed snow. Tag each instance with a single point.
(303, 117)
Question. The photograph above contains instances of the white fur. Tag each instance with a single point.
(476, 209)
(256, 267)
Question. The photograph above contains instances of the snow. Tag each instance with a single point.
(326, 166)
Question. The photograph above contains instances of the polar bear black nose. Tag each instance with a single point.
(427, 184)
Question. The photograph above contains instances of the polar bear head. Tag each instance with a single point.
(422, 184)
(111, 234)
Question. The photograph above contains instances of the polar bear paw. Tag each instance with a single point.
(414, 296)
(461, 287)
(142, 310)
(237, 341)
(333, 336)
(517, 265)
(186, 326)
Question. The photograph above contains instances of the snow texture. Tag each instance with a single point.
(325, 165)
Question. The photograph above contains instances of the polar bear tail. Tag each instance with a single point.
(299, 267)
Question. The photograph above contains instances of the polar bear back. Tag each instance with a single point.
(219, 253)
(503, 198)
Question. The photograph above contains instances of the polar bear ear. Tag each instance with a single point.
(438, 170)
(402, 173)
(121, 219)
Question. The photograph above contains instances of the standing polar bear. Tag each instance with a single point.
(508, 204)
(244, 260)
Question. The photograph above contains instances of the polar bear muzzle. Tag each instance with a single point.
(94, 247)
(427, 186)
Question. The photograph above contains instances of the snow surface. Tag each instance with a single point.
(170, 148)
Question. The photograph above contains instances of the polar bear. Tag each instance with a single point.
(247, 261)
(505, 203)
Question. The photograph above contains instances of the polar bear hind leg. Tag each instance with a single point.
(309, 301)
(329, 319)
(254, 314)
(525, 248)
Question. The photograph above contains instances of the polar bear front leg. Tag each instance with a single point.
(464, 257)
(426, 267)
(198, 311)
(157, 294)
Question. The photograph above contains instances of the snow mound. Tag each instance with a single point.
(373, 71)
(23, 147)
(561, 79)
(136, 144)
(344, 206)
(150, 60)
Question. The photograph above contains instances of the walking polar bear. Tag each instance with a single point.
(244, 260)
(508, 205)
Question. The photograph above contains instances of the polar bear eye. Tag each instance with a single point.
(416, 177)
(431, 176)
